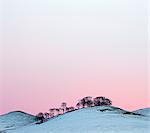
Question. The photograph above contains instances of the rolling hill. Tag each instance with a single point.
(15, 120)
(101, 119)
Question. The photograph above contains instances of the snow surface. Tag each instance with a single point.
(102, 119)
(15, 120)
(145, 111)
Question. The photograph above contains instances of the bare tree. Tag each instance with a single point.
(108, 102)
(67, 109)
(98, 101)
(78, 105)
(89, 103)
(46, 115)
(71, 108)
(52, 112)
(64, 105)
(86, 101)
(82, 102)
(61, 110)
(57, 111)
(102, 101)
(40, 118)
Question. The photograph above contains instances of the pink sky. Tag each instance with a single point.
(54, 51)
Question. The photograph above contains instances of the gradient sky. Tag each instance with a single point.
(62, 50)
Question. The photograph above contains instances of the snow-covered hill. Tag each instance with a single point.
(103, 119)
(15, 120)
(145, 111)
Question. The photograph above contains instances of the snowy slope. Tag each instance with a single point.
(145, 111)
(15, 119)
(92, 120)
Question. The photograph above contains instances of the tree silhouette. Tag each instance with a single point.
(52, 112)
(89, 103)
(86, 101)
(98, 101)
(101, 101)
(78, 105)
(71, 109)
(57, 111)
(108, 102)
(40, 118)
(46, 115)
(63, 105)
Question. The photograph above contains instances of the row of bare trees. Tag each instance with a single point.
(89, 102)
(63, 109)
(41, 117)
(84, 102)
